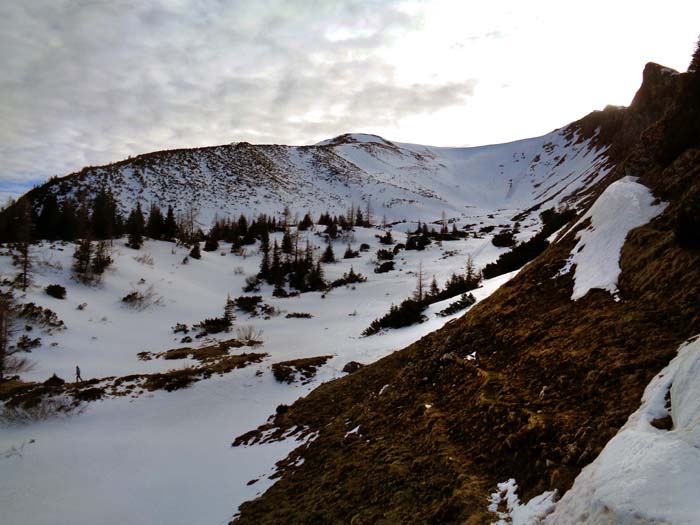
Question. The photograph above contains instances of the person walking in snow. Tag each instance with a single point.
(78, 379)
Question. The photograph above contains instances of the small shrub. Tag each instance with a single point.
(248, 303)
(145, 258)
(298, 315)
(180, 328)
(384, 267)
(417, 242)
(364, 247)
(249, 335)
(215, 325)
(252, 284)
(384, 255)
(407, 313)
(350, 253)
(56, 290)
(465, 301)
(194, 252)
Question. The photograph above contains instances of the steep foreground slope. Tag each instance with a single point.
(530, 384)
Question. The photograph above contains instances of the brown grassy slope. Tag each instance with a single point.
(552, 382)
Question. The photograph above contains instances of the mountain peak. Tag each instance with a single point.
(354, 138)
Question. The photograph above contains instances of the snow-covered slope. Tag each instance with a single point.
(165, 457)
(399, 181)
(623, 206)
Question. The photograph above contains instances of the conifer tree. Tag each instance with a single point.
(170, 225)
(434, 288)
(135, 228)
(102, 219)
(264, 272)
(328, 255)
(101, 259)
(68, 220)
(287, 246)
(23, 235)
(82, 258)
(49, 222)
(229, 308)
(156, 223)
(276, 273)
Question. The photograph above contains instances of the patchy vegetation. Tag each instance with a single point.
(299, 369)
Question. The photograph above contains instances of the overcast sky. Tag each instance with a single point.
(87, 82)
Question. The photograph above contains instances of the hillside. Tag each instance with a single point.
(397, 181)
(533, 382)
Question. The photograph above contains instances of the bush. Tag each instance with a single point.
(194, 252)
(384, 267)
(526, 251)
(417, 242)
(252, 284)
(386, 238)
(215, 325)
(298, 315)
(349, 278)
(350, 253)
(364, 247)
(407, 313)
(465, 301)
(384, 255)
(504, 239)
(56, 290)
(211, 245)
(248, 303)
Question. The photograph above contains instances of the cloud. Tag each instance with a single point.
(88, 82)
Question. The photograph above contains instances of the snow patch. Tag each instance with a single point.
(623, 206)
(646, 474)
(517, 513)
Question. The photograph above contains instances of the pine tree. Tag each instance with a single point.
(276, 273)
(195, 252)
(332, 230)
(135, 227)
(229, 308)
(287, 246)
(102, 258)
(23, 234)
(264, 272)
(68, 221)
(694, 66)
(156, 223)
(170, 225)
(328, 255)
(434, 288)
(306, 223)
(82, 258)
(472, 276)
(102, 219)
(419, 294)
(49, 222)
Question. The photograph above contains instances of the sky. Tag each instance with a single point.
(88, 82)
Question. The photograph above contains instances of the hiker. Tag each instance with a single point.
(78, 379)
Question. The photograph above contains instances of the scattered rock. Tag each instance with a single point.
(352, 366)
